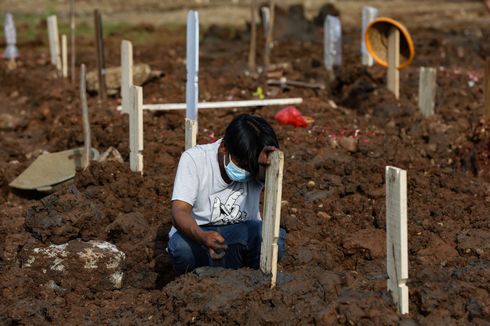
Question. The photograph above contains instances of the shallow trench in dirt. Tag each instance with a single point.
(334, 268)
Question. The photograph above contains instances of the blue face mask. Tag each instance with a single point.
(234, 172)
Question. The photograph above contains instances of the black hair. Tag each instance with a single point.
(245, 137)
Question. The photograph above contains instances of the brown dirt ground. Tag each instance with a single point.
(334, 268)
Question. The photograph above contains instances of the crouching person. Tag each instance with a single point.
(215, 201)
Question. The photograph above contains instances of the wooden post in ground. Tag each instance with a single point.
(64, 56)
(397, 236)
(136, 129)
(393, 78)
(332, 39)
(269, 40)
(253, 38)
(99, 41)
(487, 88)
(271, 217)
(126, 74)
(192, 87)
(427, 90)
(72, 40)
(54, 42)
(87, 153)
(368, 15)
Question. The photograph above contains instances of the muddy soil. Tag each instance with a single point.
(334, 270)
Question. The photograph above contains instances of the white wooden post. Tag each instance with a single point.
(272, 216)
(11, 52)
(192, 88)
(265, 12)
(126, 74)
(54, 43)
(64, 55)
(427, 90)
(136, 129)
(393, 78)
(332, 42)
(368, 15)
(396, 236)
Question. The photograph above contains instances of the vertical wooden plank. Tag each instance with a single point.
(253, 37)
(487, 88)
(192, 87)
(86, 125)
(271, 217)
(427, 90)
(126, 74)
(393, 80)
(64, 56)
(332, 42)
(99, 41)
(54, 43)
(396, 236)
(190, 133)
(269, 39)
(368, 15)
(72, 40)
(136, 129)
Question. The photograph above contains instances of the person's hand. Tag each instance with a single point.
(264, 155)
(215, 244)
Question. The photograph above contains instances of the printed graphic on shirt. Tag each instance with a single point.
(228, 213)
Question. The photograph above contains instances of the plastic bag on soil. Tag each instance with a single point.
(292, 116)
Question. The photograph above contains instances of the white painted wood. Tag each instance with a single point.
(393, 78)
(11, 51)
(126, 74)
(265, 12)
(368, 15)
(190, 133)
(64, 55)
(192, 88)
(222, 105)
(86, 124)
(136, 129)
(54, 42)
(397, 236)
(332, 42)
(427, 90)
(271, 218)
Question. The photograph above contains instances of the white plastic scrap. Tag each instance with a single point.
(11, 51)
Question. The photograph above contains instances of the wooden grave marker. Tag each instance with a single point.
(54, 42)
(252, 66)
(332, 42)
(397, 236)
(427, 90)
(99, 42)
(72, 40)
(136, 129)
(271, 217)
(64, 56)
(192, 87)
(368, 15)
(126, 74)
(86, 125)
(393, 77)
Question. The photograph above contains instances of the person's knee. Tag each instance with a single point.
(181, 253)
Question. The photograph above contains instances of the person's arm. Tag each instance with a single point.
(184, 222)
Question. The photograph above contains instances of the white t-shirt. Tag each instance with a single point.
(198, 182)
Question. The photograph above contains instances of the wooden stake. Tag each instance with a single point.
(487, 88)
(54, 42)
(64, 56)
(368, 15)
(192, 87)
(190, 133)
(396, 236)
(427, 90)
(126, 73)
(393, 78)
(253, 38)
(332, 42)
(136, 129)
(99, 37)
(269, 42)
(86, 125)
(222, 105)
(272, 216)
(72, 39)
